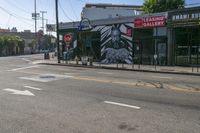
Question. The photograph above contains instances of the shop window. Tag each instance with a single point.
(196, 15)
(60, 37)
(185, 16)
(181, 16)
(177, 17)
(193, 15)
(160, 31)
(173, 17)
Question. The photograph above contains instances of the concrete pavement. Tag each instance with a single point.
(135, 67)
(82, 100)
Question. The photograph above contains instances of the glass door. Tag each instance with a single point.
(162, 53)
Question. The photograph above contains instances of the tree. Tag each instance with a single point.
(152, 6)
(11, 45)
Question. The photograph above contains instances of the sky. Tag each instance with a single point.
(17, 13)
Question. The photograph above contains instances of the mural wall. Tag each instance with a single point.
(116, 43)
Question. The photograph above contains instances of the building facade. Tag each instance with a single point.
(143, 39)
(184, 27)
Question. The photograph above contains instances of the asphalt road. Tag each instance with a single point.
(38, 98)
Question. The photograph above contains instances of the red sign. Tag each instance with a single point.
(129, 32)
(154, 21)
(67, 38)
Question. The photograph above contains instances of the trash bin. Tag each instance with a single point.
(90, 61)
(84, 60)
(76, 59)
(46, 55)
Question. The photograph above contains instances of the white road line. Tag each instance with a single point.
(26, 60)
(105, 73)
(34, 88)
(161, 77)
(23, 68)
(123, 105)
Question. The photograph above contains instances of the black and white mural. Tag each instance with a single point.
(116, 43)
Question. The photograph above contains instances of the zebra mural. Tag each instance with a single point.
(116, 43)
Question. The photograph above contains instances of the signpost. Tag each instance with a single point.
(155, 58)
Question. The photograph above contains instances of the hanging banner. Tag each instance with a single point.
(153, 21)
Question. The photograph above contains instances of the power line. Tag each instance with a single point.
(8, 22)
(73, 9)
(17, 7)
(64, 11)
(16, 16)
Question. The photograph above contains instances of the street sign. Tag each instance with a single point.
(50, 27)
(35, 15)
(67, 38)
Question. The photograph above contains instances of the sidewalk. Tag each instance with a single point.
(144, 68)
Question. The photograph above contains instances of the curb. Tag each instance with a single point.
(123, 69)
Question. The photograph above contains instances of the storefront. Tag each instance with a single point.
(150, 39)
(185, 27)
(168, 38)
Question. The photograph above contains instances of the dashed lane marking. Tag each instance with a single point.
(122, 104)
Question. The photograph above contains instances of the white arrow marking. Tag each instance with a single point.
(34, 88)
(23, 68)
(26, 60)
(123, 105)
(18, 92)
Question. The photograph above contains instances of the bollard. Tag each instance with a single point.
(90, 61)
(76, 59)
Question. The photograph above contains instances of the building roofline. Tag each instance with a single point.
(127, 19)
(112, 5)
(185, 9)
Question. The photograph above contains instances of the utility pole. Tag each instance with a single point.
(43, 12)
(35, 17)
(57, 30)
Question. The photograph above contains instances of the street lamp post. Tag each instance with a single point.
(43, 12)
(35, 18)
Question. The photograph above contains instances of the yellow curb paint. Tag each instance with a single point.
(113, 82)
(171, 87)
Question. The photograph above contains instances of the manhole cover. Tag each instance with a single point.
(47, 77)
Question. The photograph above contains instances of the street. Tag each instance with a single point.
(37, 98)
